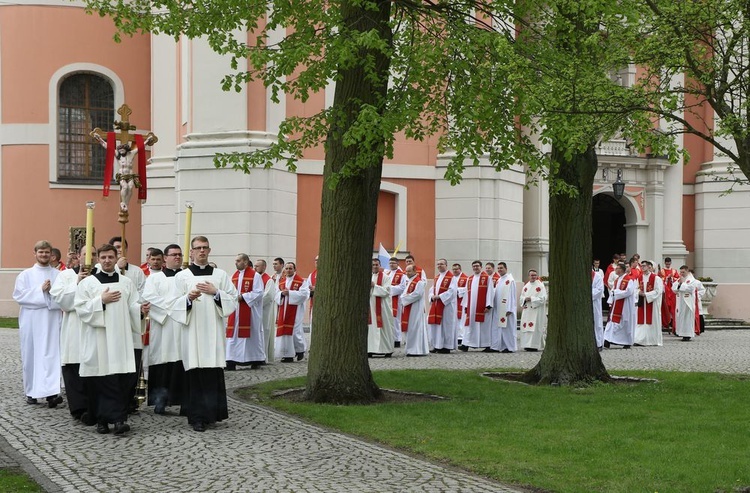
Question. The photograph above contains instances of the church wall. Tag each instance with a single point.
(309, 192)
(481, 218)
(722, 233)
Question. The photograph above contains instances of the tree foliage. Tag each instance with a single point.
(696, 56)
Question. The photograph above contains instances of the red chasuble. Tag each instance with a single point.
(646, 310)
(407, 309)
(616, 316)
(484, 279)
(246, 314)
(287, 313)
(394, 299)
(378, 306)
(437, 306)
(461, 284)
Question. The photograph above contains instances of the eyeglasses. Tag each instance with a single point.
(201, 248)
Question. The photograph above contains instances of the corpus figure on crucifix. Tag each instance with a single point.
(119, 146)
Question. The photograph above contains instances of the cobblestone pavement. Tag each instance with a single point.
(257, 449)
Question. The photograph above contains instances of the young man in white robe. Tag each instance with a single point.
(380, 315)
(291, 296)
(206, 297)
(135, 274)
(166, 380)
(622, 315)
(398, 284)
(597, 291)
(686, 311)
(63, 292)
(461, 280)
(246, 341)
(39, 328)
(412, 315)
(108, 306)
(478, 303)
(506, 303)
(442, 315)
(650, 292)
(269, 308)
(533, 300)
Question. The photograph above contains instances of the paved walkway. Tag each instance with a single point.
(257, 449)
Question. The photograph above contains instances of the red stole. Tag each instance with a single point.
(397, 275)
(481, 298)
(378, 306)
(616, 316)
(459, 302)
(495, 277)
(407, 309)
(646, 310)
(245, 313)
(287, 313)
(313, 282)
(437, 306)
(265, 278)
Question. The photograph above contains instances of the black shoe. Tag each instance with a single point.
(369, 355)
(30, 400)
(606, 344)
(287, 360)
(506, 350)
(397, 344)
(121, 428)
(444, 350)
(626, 346)
(530, 349)
(490, 350)
(102, 428)
(387, 355)
(231, 368)
(199, 426)
(686, 339)
(433, 351)
(160, 410)
(54, 400)
(87, 420)
(463, 348)
(300, 356)
(255, 366)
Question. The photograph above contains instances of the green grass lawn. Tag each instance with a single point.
(8, 322)
(690, 432)
(13, 481)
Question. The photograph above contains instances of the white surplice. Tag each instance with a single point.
(289, 346)
(39, 331)
(622, 332)
(685, 316)
(650, 334)
(107, 334)
(534, 315)
(416, 333)
(203, 325)
(249, 349)
(63, 292)
(165, 336)
(269, 317)
(505, 314)
(478, 334)
(380, 339)
(443, 335)
(597, 291)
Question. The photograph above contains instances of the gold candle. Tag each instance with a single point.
(89, 233)
(188, 226)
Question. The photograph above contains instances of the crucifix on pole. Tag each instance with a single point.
(124, 146)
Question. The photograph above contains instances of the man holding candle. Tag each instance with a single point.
(206, 297)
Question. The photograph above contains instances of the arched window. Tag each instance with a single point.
(85, 101)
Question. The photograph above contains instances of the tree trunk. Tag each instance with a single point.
(338, 370)
(570, 354)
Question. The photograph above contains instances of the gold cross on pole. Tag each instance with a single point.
(123, 128)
